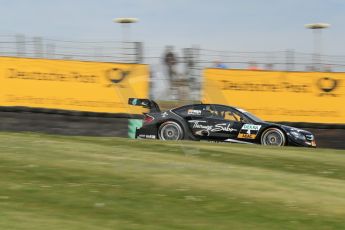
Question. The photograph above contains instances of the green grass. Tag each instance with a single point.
(58, 182)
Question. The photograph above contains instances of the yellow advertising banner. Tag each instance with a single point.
(72, 85)
(315, 97)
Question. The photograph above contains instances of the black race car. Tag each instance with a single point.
(213, 122)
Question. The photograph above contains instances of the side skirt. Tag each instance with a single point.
(237, 141)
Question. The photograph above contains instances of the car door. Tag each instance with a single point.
(211, 122)
(197, 117)
(226, 123)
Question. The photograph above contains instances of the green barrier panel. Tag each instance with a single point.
(133, 124)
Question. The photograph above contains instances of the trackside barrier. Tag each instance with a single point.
(133, 124)
(72, 85)
(305, 97)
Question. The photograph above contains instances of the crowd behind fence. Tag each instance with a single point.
(109, 50)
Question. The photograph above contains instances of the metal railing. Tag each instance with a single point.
(38, 47)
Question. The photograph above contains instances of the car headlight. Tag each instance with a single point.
(310, 137)
(298, 135)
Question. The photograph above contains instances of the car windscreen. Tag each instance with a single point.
(251, 116)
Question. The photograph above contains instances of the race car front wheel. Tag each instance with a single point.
(273, 136)
(170, 130)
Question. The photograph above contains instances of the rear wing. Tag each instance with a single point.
(146, 103)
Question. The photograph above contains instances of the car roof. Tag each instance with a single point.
(206, 104)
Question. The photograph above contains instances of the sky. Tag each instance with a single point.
(241, 25)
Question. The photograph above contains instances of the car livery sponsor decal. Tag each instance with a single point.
(251, 127)
(147, 136)
(246, 136)
(164, 114)
(249, 131)
(196, 124)
(194, 112)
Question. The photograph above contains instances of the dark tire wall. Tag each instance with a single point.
(329, 138)
(93, 125)
(63, 124)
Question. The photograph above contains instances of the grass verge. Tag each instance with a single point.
(59, 182)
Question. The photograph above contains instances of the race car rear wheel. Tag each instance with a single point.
(170, 130)
(273, 136)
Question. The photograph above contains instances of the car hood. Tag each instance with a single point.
(289, 129)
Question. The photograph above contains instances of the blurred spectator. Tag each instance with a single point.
(253, 66)
(269, 66)
(220, 65)
(189, 64)
(310, 68)
(328, 68)
(189, 69)
(170, 62)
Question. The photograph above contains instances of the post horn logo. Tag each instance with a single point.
(116, 76)
(327, 86)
